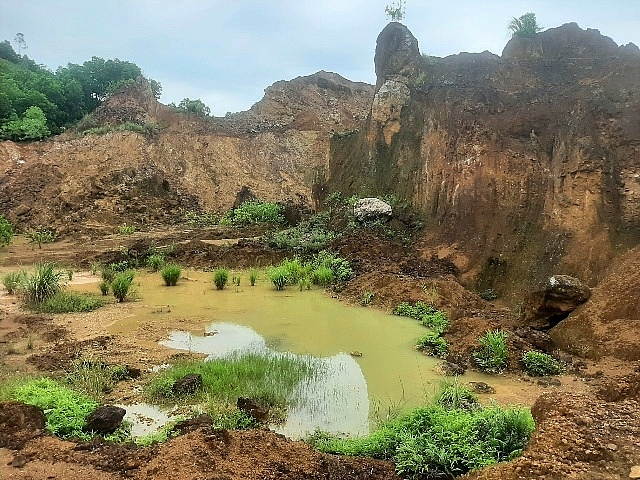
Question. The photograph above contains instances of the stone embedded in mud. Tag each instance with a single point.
(253, 408)
(105, 419)
(481, 387)
(451, 369)
(367, 209)
(546, 307)
(187, 384)
(540, 340)
(194, 423)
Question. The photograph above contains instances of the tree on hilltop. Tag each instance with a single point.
(396, 11)
(524, 26)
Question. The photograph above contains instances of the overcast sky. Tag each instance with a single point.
(227, 52)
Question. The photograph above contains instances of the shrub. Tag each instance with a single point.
(121, 285)
(107, 273)
(294, 270)
(40, 237)
(367, 298)
(436, 321)
(455, 396)
(220, 277)
(417, 310)
(253, 276)
(308, 236)
(340, 267)
(249, 213)
(492, 357)
(171, 274)
(539, 364)
(278, 276)
(67, 302)
(43, 284)
(13, 280)
(155, 261)
(322, 276)
(433, 344)
(6, 231)
(524, 26)
(104, 287)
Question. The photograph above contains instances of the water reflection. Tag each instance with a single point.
(336, 401)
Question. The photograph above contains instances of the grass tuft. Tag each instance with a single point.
(171, 273)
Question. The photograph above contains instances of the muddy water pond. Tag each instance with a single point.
(371, 366)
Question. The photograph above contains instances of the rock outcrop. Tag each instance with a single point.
(367, 209)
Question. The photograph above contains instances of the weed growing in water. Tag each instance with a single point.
(170, 274)
(323, 276)
(253, 276)
(235, 280)
(455, 396)
(121, 285)
(433, 344)
(436, 321)
(492, 357)
(539, 364)
(220, 277)
(278, 276)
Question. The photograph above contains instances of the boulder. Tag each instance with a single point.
(367, 209)
(187, 384)
(396, 52)
(547, 306)
(450, 369)
(104, 419)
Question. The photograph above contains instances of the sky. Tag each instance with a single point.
(227, 52)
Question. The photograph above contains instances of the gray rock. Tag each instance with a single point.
(367, 209)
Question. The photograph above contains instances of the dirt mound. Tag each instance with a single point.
(19, 423)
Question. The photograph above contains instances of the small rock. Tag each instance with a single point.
(612, 446)
(450, 368)
(253, 408)
(482, 387)
(356, 353)
(22, 209)
(549, 382)
(187, 384)
(635, 472)
(105, 419)
(18, 461)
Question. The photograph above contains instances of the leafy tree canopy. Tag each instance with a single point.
(196, 107)
(524, 26)
(396, 11)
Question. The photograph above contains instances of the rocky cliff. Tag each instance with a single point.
(528, 163)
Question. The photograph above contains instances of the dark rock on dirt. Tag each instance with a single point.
(253, 408)
(188, 384)
(105, 419)
(191, 424)
(19, 423)
(549, 382)
(538, 339)
(547, 306)
(481, 387)
(244, 195)
(451, 369)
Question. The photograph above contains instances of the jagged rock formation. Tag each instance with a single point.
(523, 162)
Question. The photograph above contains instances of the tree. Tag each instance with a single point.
(32, 126)
(21, 42)
(524, 26)
(156, 88)
(396, 11)
(196, 107)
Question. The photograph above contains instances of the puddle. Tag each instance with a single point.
(145, 418)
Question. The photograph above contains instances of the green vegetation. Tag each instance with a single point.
(195, 107)
(125, 229)
(6, 231)
(104, 287)
(308, 236)
(141, 128)
(171, 273)
(539, 364)
(446, 438)
(455, 396)
(94, 378)
(250, 213)
(37, 102)
(121, 285)
(155, 261)
(524, 26)
(417, 311)
(65, 409)
(41, 236)
(253, 276)
(13, 280)
(367, 298)
(278, 276)
(492, 357)
(433, 344)
(220, 277)
(324, 269)
(396, 11)
(268, 379)
(42, 284)
(67, 302)
(203, 219)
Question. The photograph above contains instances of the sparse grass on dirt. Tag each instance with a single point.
(67, 302)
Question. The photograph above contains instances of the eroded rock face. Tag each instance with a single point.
(367, 209)
(546, 307)
(396, 53)
(387, 106)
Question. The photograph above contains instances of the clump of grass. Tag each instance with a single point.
(235, 280)
(65, 410)
(155, 261)
(121, 285)
(42, 284)
(94, 378)
(41, 236)
(220, 277)
(104, 287)
(436, 321)
(437, 441)
(323, 276)
(125, 229)
(253, 276)
(171, 274)
(455, 396)
(492, 357)
(6, 231)
(367, 298)
(417, 310)
(278, 276)
(270, 379)
(433, 344)
(249, 213)
(13, 280)
(67, 302)
(539, 364)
